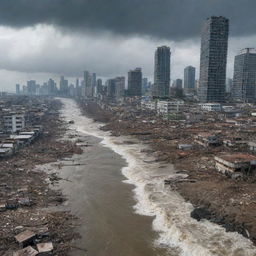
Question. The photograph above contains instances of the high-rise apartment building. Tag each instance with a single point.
(178, 83)
(135, 82)
(111, 89)
(213, 59)
(31, 87)
(64, 89)
(17, 89)
(162, 72)
(189, 79)
(99, 86)
(120, 87)
(244, 81)
(51, 87)
(88, 90)
(229, 85)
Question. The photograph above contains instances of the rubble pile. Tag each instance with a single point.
(191, 146)
(25, 195)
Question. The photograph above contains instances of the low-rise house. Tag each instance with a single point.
(22, 139)
(215, 107)
(234, 141)
(208, 139)
(238, 162)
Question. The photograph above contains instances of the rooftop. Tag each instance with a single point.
(237, 157)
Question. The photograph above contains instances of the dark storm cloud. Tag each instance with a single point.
(172, 19)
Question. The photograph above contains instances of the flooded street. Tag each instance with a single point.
(124, 208)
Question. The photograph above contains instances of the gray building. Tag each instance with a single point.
(229, 85)
(17, 89)
(64, 89)
(87, 88)
(189, 79)
(213, 59)
(52, 88)
(177, 83)
(144, 85)
(135, 82)
(120, 87)
(31, 87)
(162, 72)
(99, 87)
(244, 81)
(111, 89)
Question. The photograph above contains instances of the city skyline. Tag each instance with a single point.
(52, 49)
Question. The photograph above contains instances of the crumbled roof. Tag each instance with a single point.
(238, 157)
(28, 251)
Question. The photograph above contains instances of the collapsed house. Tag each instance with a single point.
(235, 163)
(207, 139)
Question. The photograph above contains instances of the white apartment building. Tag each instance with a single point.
(149, 105)
(13, 122)
(167, 107)
(211, 106)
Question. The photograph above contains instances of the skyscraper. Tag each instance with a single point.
(213, 60)
(88, 84)
(162, 72)
(244, 82)
(178, 83)
(99, 87)
(189, 79)
(135, 82)
(17, 89)
(229, 85)
(120, 87)
(64, 90)
(31, 87)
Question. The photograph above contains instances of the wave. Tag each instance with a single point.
(177, 230)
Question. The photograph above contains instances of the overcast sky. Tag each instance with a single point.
(40, 39)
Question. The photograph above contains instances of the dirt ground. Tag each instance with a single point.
(26, 189)
(232, 203)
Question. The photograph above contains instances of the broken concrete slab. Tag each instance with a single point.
(28, 251)
(45, 248)
(25, 238)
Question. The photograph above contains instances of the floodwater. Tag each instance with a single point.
(125, 210)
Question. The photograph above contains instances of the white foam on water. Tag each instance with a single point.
(171, 213)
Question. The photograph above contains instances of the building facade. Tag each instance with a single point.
(135, 82)
(13, 122)
(120, 87)
(189, 79)
(162, 72)
(244, 81)
(17, 89)
(213, 59)
(177, 83)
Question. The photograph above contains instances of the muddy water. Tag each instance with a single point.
(125, 209)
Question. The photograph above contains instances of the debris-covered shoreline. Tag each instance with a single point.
(216, 197)
(25, 192)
